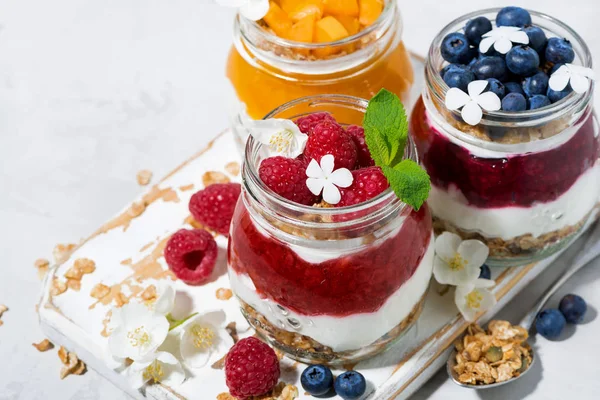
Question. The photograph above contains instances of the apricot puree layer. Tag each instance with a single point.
(262, 91)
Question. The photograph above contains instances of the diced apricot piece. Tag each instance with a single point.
(350, 23)
(278, 20)
(313, 8)
(341, 7)
(369, 11)
(303, 30)
(328, 29)
(290, 5)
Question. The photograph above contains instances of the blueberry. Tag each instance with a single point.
(485, 272)
(455, 49)
(538, 101)
(514, 102)
(490, 67)
(537, 39)
(550, 323)
(514, 87)
(494, 85)
(573, 308)
(458, 76)
(555, 96)
(317, 379)
(559, 51)
(350, 385)
(536, 84)
(513, 16)
(522, 60)
(475, 28)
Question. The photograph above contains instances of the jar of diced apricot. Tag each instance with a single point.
(311, 47)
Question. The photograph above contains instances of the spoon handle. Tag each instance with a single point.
(590, 250)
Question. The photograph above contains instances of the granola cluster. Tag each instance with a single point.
(496, 355)
(73, 276)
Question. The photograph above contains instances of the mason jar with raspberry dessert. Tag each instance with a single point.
(311, 47)
(507, 132)
(327, 274)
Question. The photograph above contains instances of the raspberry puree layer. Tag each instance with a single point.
(362, 329)
(360, 282)
(510, 180)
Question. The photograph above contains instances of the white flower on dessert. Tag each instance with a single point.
(474, 297)
(251, 9)
(281, 136)
(164, 302)
(472, 103)
(457, 261)
(502, 38)
(578, 76)
(157, 367)
(204, 339)
(322, 178)
(138, 332)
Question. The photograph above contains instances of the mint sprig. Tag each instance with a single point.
(386, 134)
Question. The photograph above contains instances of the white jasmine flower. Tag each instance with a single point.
(474, 297)
(472, 103)
(322, 178)
(281, 136)
(164, 302)
(160, 367)
(578, 76)
(204, 339)
(502, 38)
(251, 9)
(458, 262)
(138, 332)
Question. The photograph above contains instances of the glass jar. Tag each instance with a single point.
(524, 183)
(327, 285)
(267, 71)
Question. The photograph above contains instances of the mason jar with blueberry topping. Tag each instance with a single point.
(506, 130)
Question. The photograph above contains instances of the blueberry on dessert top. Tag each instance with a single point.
(456, 48)
(536, 84)
(475, 29)
(522, 60)
(555, 95)
(513, 87)
(538, 101)
(458, 76)
(514, 102)
(559, 50)
(513, 16)
(537, 39)
(490, 67)
(494, 85)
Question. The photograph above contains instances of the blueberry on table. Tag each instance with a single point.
(513, 16)
(538, 101)
(475, 29)
(495, 86)
(490, 67)
(555, 95)
(456, 49)
(559, 51)
(458, 76)
(536, 84)
(513, 87)
(522, 60)
(537, 39)
(550, 323)
(317, 380)
(514, 102)
(350, 385)
(485, 272)
(573, 308)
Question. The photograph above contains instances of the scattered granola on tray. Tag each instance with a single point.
(496, 355)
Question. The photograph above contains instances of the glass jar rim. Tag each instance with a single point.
(570, 102)
(381, 201)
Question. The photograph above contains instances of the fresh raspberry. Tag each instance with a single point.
(330, 138)
(251, 368)
(357, 133)
(287, 178)
(214, 205)
(307, 123)
(191, 255)
(368, 183)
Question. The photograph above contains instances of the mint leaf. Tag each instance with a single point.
(386, 128)
(409, 181)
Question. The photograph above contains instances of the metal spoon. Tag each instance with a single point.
(590, 251)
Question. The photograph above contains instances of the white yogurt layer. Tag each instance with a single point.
(342, 333)
(509, 222)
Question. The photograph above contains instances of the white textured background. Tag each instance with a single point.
(93, 91)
